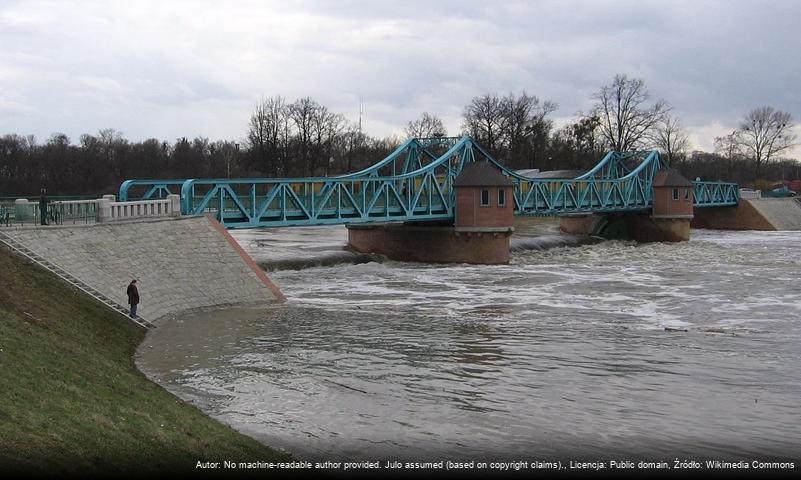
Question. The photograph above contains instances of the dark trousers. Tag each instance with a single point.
(133, 311)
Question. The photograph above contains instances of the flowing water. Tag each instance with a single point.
(577, 348)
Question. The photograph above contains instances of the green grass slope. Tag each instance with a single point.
(71, 398)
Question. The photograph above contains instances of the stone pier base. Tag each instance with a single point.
(640, 227)
(591, 224)
(646, 228)
(433, 244)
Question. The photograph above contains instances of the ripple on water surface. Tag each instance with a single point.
(563, 350)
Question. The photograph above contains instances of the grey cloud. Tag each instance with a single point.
(88, 65)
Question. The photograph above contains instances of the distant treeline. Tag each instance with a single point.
(304, 138)
(99, 163)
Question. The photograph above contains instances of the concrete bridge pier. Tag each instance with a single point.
(480, 232)
(432, 244)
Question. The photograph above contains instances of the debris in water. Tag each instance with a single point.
(674, 329)
(719, 331)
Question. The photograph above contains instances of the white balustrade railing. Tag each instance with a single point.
(110, 210)
(102, 210)
(750, 194)
(156, 208)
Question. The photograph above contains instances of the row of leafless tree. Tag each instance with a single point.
(304, 138)
(623, 118)
(628, 121)
(97, 164)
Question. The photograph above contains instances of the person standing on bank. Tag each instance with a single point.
(43, 206)
(133, 297)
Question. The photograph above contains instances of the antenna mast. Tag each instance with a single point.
(360, 116)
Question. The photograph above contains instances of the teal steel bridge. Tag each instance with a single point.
(415, 183)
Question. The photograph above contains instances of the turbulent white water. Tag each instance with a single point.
(564, 352)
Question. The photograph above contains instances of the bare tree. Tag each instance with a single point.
(765, 133)
(730, 148)
(584, 134)
(578, 144)
(114, 146)
(483, 120)
(258, 134)
(267, 134)
(303, 112)
(353, 142)
(426, 126)
(625, 118)
(525, 127)
(326, 126)
(670, 138)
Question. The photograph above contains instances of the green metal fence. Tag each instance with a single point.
(58, 212)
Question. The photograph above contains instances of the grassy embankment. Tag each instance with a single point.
(71, 398)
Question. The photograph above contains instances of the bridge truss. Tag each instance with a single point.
(415, 183)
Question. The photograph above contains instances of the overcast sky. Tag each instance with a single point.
(170, 68)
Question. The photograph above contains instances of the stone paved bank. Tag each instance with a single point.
(752, 214)
(180, 264)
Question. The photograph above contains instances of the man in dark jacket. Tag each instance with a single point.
(43, 206)
(133, 297)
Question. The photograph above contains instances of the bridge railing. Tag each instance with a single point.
(104, 209)
(155, 188)
(425, 193)
(591, 192)
(412, 155)
(7, 214)
(24, 211)
(715, 194)
(423, 189)
(109, 210)
(548, 197)
(247, 203)
(750, 194)
(73, 211)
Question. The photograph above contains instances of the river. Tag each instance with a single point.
(589, 350)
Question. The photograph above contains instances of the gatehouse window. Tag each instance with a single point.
(686, 193)
(675, 194)
(501, 197)
(485, 197)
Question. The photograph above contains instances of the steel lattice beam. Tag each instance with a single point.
(414, 183)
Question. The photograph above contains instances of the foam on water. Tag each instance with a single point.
(564, 347)
(594, 277)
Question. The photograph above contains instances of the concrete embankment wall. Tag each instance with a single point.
(752, 214)
(782, 213)
(180, 264)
